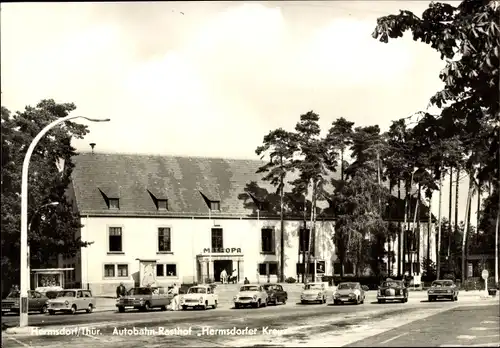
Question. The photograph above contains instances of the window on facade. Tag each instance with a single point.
(164, 241)
(304, 240)
(273, 268)
(109, 270)
(162, 204)
(115, 239)
(217, 241)
(263, 268)
(114, 203)
(122, 270)
(267, 237)
(160, 270)
(215, 205)
(171, 270)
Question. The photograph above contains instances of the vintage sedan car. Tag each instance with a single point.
(251, 295)
(349, 292)
(37, 302)
(275, 293)
(72, 301)
(200, 296)
(313, 292)
(392, 290)
(443, 289)
(144, 299)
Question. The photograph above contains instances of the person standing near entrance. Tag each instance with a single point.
(223, 276)
(234, 276)
(175, 300)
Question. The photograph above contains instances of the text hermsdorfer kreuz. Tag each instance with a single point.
(222, 250)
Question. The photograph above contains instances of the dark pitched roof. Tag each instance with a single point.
(183, 181)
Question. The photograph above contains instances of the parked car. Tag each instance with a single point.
(350, 292)
(275, 293)
(392, 290)
(37, 302)
(72, 301)
(314, 292)
(200, 296)
(251, 295)
(443, 289)
(144, 299)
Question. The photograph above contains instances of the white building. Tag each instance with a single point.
(165, 219)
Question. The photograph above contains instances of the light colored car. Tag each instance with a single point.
(200, 296)
(443, 289)
(350, 292)
(314, 292)
(251, 295)
(71, 301)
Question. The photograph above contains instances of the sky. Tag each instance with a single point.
(212, 78)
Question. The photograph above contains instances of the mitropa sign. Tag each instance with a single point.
(222, 250)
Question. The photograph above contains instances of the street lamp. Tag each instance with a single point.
(23, 314)
(29, 229)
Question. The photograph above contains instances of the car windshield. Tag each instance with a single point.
(66, 294)
(269, 287)
(391, 284)
(140, 291)
(197, 291)
(313, 287)
(438, 284)
(13, 294)
(345, 286)
(249, 288)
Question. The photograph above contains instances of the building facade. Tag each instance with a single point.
(164, 219)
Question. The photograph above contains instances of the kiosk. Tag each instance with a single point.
(49, 279)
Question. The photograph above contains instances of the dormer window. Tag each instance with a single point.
(215, 205)
(114, 203)
(162, 204)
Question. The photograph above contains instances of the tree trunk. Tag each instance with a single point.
(310, 235)
(466, 228)
(496, 242)
(438, 253)
(429, 229)
(450, 209)
(457, 187)
(400, 231)
(304, 248)
(342, 164)
(282, 230)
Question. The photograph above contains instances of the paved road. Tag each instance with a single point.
(463, 326)
(318, 325)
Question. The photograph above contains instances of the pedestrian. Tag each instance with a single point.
(223, 276)
(175, 299)
(246, 281)
(234, 276)
(121, 290)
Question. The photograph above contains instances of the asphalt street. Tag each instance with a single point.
(470, 326)
(293, 324)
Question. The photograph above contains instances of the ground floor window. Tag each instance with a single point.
(166, 270)
(268, 268)
(112, 270)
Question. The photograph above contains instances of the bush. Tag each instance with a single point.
(290, 280)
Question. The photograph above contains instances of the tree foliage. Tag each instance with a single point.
(52, 228)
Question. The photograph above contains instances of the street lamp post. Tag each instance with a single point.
(23, 314)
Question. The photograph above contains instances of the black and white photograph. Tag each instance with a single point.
(250, 174)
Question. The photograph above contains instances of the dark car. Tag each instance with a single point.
(392, 290)
(275, 293)
(37, 302)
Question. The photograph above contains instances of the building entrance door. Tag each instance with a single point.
(219, 265)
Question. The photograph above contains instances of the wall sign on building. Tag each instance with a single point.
(222, 250)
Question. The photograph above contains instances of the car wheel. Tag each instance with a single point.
(452, 298)
(51, 312)
(456, 298)
(284, 300)
(163, 308)
(237, 305)
(90, 308)
(147, 306)
(121, 309)
(358, 300)
(303, 302)
(73, 309)
(184, 308)
(381, 301)
(215, 304)
(324, 299)
(43, 310)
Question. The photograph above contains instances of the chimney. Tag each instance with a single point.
(92, 145)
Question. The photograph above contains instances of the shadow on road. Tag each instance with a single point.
(388, 302)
